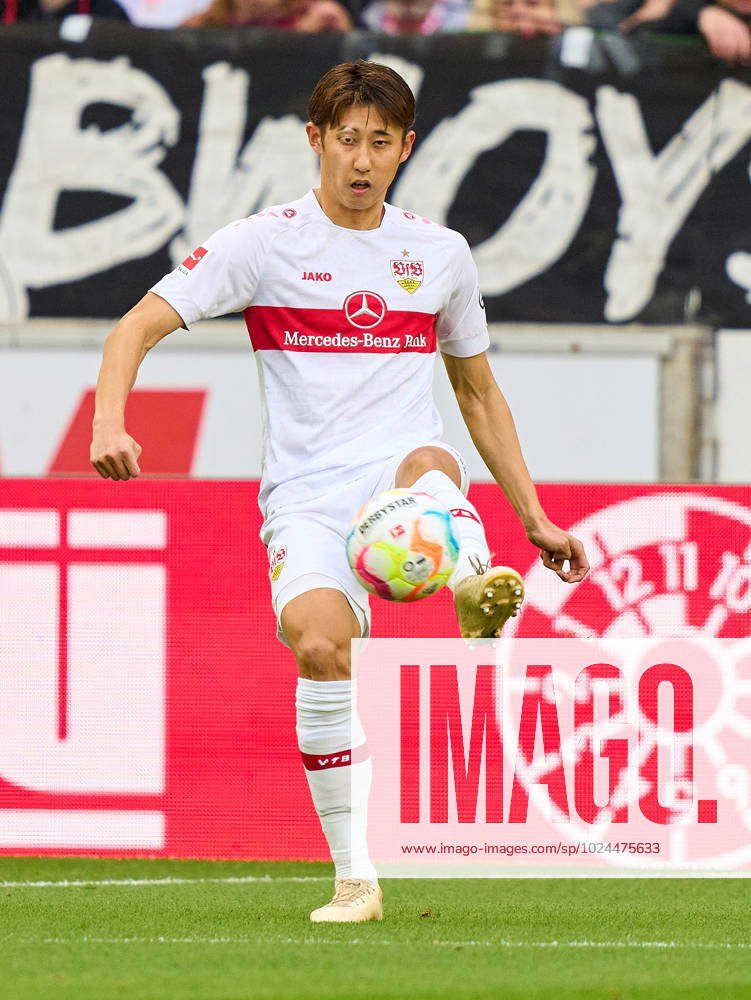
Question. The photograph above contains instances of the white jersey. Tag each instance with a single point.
(344, 324)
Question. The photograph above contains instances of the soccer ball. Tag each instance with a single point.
(402, 545)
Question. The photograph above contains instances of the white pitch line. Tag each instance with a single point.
(501, 943)
(228, 880)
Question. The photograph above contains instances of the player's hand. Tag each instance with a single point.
(727, 36)
(114, 453)
(556, 548)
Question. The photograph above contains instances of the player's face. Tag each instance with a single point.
(360, 155)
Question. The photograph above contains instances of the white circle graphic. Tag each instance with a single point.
(364, 309)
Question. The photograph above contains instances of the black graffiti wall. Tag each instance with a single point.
(596, 178)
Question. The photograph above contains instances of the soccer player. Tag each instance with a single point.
(346, 300)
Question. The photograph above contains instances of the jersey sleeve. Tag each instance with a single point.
(461, 328)
(220, 276)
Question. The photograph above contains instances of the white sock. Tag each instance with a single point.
(466, 521)
(332, 744)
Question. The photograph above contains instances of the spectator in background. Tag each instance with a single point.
(162, 13)
(424, 17)
(44, 10)
(527, 18)
(415, 17)
(721, 34)
(723, 25)
(308, 16)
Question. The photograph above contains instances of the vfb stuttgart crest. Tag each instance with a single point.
(408, 274)
(276, 562)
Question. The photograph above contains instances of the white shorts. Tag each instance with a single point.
(306, 541)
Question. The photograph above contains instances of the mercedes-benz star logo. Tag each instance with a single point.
(364, 309)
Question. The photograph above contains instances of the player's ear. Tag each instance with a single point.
(315, 137)
(407, 144)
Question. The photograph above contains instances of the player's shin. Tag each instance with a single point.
(473, 546)
(338, 769)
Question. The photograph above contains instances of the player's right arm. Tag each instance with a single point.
(217, 278)
(114, 453)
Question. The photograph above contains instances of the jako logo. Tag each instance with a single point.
(316, 276)
(198, 254)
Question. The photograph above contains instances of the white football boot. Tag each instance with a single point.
(355, 900)
(484, 602)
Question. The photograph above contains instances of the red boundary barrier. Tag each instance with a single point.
(233, 784)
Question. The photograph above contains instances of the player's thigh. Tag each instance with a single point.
(307, 556)
(318, 626)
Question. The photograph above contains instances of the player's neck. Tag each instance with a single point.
(348, 218)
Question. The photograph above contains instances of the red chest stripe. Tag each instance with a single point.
(277, 328)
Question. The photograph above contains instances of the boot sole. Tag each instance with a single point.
(498, 587)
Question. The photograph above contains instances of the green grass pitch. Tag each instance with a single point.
(240, 931)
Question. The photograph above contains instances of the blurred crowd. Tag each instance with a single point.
(723, 24)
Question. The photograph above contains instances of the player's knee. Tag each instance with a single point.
(321, 658)
(423, 460)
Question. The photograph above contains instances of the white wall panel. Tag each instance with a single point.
(580, 416)
(733, 408)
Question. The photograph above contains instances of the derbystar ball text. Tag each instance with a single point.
(389, 508)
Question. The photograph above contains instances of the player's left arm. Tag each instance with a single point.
(491, 426)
